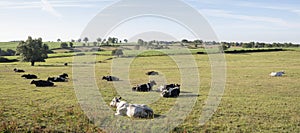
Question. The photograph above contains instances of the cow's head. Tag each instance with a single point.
(152, 82)
(32, 82)
(104, 78)
(115, 101)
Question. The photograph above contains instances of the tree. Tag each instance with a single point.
(33, 50)
(58, 40)
(99, 40)
(79, 40)
(72, 40)
(64, 45)
(85, 39)
(71, 44)
(95, 43)
(140, 42)
(184, 41)
(125, 40)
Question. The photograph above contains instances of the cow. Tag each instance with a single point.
(57, 79)
(29, 76)
(64, 75)
(167, 87)
(171, 92)
(144, 87)
(152, 73)
(19, 70)
(42, 83)
(131, 110)
(66, 64)
(277, 74)
(110, 78)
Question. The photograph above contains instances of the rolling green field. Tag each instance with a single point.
(252, 102)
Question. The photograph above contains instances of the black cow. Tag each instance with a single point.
(110, 78)
(64, 75)
(172, 92)
(29, 76)
(19, 70)
(57, 79)
(144, 87)
(152, 73)
(42, 83)
(66, 64)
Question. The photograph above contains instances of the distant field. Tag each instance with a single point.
(253, 101)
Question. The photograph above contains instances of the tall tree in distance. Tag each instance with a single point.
(99, 40)
(85, 39)
(33, 50)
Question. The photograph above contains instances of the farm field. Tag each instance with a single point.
(252, 102)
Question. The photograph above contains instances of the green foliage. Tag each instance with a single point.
(33, 50)
(8, 52)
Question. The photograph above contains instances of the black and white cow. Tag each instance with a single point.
(29, 76)
(152, 73)
(57, 79)
(42, 83)
(131, 110)
(110, 78)
(277, 74)
(171, 92)
(144, 87)
(167, 87)
(64, 75)
(19, 70)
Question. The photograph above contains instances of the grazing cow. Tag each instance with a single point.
(42, 83)
(29, 76)
(57, 79)
(110, 78)
(152, 73)
(172, 92)
(66, 64)
(167, 87)
(19, 70)
(144, 87)
(131, 110)
(64, 75)
(277, 74)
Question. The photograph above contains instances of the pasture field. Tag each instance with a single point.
(252, 102)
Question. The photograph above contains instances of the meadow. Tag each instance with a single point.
(252, 102)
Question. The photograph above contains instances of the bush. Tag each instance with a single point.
(117, 52)
(64, 45)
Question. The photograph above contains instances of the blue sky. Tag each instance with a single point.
(231, 20)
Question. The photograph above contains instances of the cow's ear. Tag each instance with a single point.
(120, 98)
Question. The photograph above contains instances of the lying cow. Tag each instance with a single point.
(152, 73)
(144, 87)
(42, 83)
(171, 92)
(19, 70)
(277, 74)
(167, 87)
(64, 75)
(57, 79)
(110, 78)
(131, 110)
(29, 76)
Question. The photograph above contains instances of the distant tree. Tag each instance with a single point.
(125, 40)
(95, 43)
(72, 40)
(99, 40)
(63, 45)
(79, 40)
(86, 39)
(184, 41)
(33, 50)
(140, 42)
(71, 44)
(117, 52)
(58, 40)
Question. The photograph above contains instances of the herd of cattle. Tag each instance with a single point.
(43, 83)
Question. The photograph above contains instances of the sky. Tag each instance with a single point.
(231, 20)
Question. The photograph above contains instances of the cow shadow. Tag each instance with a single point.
(190, 95)
(159, 116)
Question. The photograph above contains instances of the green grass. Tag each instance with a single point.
(252, 102)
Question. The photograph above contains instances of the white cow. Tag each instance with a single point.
(131, 110)
(277, 74)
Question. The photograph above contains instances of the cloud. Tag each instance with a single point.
(46, 6)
